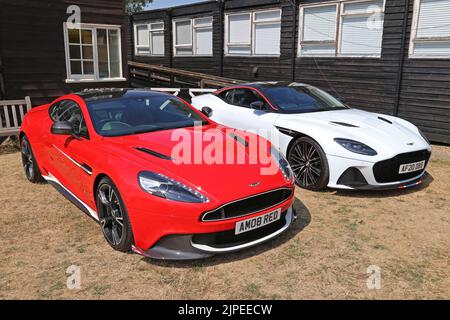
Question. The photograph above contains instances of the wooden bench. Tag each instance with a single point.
(11, 115)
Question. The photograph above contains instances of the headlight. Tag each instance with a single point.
(423, 136)
(356, 147)
(282, 163)
(159, 185)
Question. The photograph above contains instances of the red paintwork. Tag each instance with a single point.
(151, 217)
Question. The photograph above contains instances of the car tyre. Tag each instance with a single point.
(29, 163)
(309, 163)
(113, 216)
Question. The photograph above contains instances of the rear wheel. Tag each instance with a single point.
(29, 163)
(113, 216)
(309, 163)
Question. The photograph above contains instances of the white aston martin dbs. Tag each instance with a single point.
(326, 142)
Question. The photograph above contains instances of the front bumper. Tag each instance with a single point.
(200, 246)
(346, 173)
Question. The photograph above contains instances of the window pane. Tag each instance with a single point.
(318, 50)
(363, 7)
(114, 53)
(75, 67)
(360, 37)
(184, 51)
(267, 15)
(244, 51)
(102, 51)
(156, 26)
(203, 41)
(75, 52)
(74, 35)
(88, 52)
(143, 50)
(88, 67)
(239, 29)
(142, 35)
(432, 49)
(183, 32)
(86, 36)
(434, 18)
(157, 43)
(319, 23)
(203, 22)
(267, 39)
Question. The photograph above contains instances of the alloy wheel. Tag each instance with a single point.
(306, 162)
(27, 159)
(111, 217)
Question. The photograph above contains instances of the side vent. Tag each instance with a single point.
(344, 124)
(239, 139)
(288, 132)
(385, 120)
(153, 153)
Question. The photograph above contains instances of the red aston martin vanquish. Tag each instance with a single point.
(160, 177)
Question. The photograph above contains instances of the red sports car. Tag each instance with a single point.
(111, 152)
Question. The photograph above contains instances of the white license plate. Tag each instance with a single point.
(411, 167)
(257, 222)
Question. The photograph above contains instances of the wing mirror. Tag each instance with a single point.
(257, 105)
(62, 128)
(207, 111)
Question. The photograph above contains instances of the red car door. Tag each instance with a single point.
(72, 153)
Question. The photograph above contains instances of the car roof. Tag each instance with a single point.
(90, 95)
(272, 84)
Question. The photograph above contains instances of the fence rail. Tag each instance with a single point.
(11, 115)
(142, 74)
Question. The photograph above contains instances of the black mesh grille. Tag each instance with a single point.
(387, 170)
(228, 238)
(249, 205)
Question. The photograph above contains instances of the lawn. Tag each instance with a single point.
(338, 235)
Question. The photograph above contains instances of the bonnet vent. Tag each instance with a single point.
(344, 124)
(153, 153)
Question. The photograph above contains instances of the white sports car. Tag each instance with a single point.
(326, 142)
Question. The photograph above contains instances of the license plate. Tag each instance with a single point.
(411, 167)
(257, 222)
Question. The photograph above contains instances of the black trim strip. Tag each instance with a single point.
(153, 153)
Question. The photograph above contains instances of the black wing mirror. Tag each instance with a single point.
(62, 128)
(207, 111)
(257, 105)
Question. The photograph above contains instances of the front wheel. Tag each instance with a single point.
(309, 163)
(29, 163)
(113, 216)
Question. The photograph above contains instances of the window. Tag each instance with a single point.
(245, 97)
(93, 53)
(149, 39)
(430, 32)
(70, 111)
(193, 37)
(345, 28)
(253, 33)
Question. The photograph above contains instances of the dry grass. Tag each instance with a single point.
(339, 234)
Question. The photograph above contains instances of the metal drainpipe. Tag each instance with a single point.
(294, 29)
(398, 86)
(169, 16)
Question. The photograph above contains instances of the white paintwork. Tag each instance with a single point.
(387, 139)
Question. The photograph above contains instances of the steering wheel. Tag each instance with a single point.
(108, 125)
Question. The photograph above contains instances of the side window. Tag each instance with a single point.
(227, 96)
(245, 97)
(70, 111)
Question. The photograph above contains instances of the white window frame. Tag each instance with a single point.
(95, 77)
(414, 39)
(193, 44)
(253, 23)
(339, 20)
(148, 25)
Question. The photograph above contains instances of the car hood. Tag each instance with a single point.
(386, 134)
(221, 181)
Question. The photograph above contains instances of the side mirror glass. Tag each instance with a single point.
(62, 128)
(207, 111)
(257, 105)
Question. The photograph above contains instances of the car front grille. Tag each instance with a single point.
(248, 205)
(387, 170)
(226, 239)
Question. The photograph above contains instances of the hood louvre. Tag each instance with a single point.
(239, 139)
(344, 124)
(385, 120)
(153, 153)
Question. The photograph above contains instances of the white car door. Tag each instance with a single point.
(235, 111)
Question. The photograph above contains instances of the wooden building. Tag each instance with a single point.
(42, 56)
(389, 56)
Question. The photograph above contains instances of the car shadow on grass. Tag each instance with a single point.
(427, 180)
(302, 221)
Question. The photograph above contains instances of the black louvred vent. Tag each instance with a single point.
(154, 153)
(385, 120)
(344, 124)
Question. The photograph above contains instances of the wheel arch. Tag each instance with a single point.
(295, 137)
